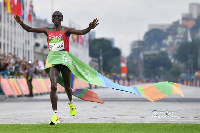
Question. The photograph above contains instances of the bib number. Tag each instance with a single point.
(56, 45)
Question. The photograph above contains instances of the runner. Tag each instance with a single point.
(58, 40)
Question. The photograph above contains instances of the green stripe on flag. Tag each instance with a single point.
(82, 93)
(140, 89)
(164, 87)
(79, 68)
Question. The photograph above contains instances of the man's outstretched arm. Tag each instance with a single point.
(30, 29)
(92, 25)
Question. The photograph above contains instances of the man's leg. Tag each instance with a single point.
(54, 73)
(30, 88)
(66, 74)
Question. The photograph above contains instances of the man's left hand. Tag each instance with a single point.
(93, 24)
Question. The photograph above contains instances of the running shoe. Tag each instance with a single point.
(72, 109)
(54, 120)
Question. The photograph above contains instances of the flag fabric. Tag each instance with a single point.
(23, 8)
(87, 95)
(152, 92)
(12, 5)
(8, 7)
(30, 12)
(18, 8)
(4, 5)
(33, 11)
(85, 41)
(74, 37)
(80, 39)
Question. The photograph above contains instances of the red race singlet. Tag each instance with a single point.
(58, 41)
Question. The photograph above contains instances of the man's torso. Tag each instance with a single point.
(57, 40)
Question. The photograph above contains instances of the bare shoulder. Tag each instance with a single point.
(67, 30)
(46, 29)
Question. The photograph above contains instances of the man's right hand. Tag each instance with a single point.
(17, 18)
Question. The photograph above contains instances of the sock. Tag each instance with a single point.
(55, 112)
(71, 102)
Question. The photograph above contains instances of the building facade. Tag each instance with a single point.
(194, 10)
(33, 46)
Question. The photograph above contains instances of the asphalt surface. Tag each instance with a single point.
(119, 107)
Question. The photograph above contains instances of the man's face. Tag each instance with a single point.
(28, 66)
(57, 18)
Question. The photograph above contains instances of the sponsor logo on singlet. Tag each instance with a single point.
(56, 43)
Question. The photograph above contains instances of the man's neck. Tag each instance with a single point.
(57, 27)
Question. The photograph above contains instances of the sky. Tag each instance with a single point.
(124, 20)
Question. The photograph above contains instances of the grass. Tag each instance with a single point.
(100, 128)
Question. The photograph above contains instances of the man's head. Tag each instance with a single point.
(28, 65)
(57, 17)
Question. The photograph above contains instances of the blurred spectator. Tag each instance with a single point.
(11, 65)
(3, 66)
(29, 77)
(118, 79)
(10, 69)
(114, 77)
(124, 80)
(90, 86)
(36, 67)
(128, 79)
(17, 65)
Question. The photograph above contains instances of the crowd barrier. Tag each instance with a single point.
(192, 82)
(18, 86)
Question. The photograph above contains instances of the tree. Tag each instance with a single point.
(132, 62)
(111, 55)
(188, 53)
(195, 29)
(99, 44)
(154, 38)
(156, 64)
(175, 72)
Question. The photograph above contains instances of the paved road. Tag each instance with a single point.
(119, 107)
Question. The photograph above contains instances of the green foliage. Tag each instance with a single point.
(101, 128)
(96, 45)
(188, 52)
(156, 64)
(175, 72)
(111, 55)
(196, 27)
(154, 37)
(132, 65)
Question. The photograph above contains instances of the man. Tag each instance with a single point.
(58, 40)
(29, 78)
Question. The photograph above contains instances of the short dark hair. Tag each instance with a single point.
(58, 13)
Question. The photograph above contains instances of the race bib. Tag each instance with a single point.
(56, 45)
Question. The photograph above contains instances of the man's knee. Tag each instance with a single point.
(67, 87)
(54, 87)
